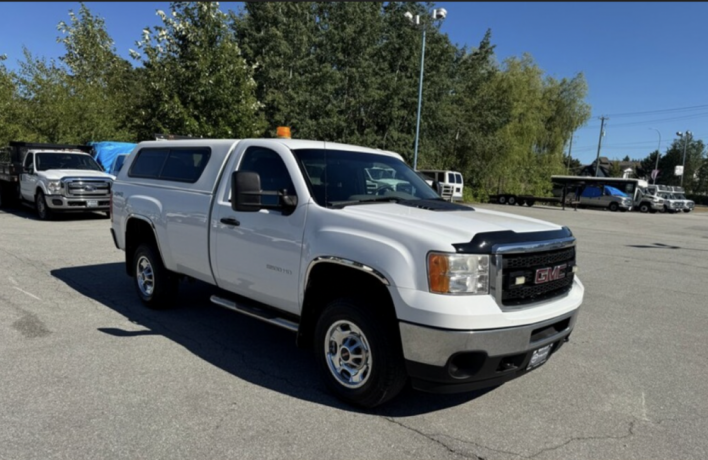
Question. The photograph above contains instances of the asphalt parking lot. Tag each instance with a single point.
(87, 372)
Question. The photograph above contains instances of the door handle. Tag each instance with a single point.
(230, 221)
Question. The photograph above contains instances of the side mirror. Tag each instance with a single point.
(29, 169)
(245, 191)
(246, 194)
(437, 186)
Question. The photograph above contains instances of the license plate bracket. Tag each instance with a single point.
(539, 356)
(92, 203)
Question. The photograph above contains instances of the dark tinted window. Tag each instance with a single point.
(176, 164)
(272, 170)
(58, 160)
(148, 163)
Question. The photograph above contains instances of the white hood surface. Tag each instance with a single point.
(454, 226)
(57, 174)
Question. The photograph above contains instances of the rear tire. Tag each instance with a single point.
(358, 352)
(502, 199)
(156, 286)
(512, 200)
(530, 203)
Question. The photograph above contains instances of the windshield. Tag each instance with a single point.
(680, 196)
(666, 196)
(339, 177)
(46, 161)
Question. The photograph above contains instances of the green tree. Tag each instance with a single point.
(196, 80)
(10, 127)
(674, 157)
(100, 81)
(615, 169)
(44, 101)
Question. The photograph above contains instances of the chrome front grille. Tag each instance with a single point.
(87, 188)
(547, 273)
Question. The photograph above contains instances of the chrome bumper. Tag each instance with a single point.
(435, 346)
(62, 203)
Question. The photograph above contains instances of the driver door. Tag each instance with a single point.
(257, 254)
(28, 181)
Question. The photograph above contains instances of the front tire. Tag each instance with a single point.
(613, 207)
(156, 286)
(644, 208)
(359, 353)
(512, 200)
(502, 199)
(40, 204)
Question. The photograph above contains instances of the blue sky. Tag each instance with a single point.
(646, 64)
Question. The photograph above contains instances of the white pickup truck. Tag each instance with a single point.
(54, 178)
(384, 285)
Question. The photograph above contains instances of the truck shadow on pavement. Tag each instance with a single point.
(249, 349)
(26, 212)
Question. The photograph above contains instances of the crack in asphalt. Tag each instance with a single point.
(630, 433)
(431, 438)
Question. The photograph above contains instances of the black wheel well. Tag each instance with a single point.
(137, 232)
(328, 281)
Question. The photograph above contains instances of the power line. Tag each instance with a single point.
(639, 123)
(679, 109)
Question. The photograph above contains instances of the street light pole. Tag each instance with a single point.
(438, 13)
(685, 136)
(658, 154)
(420, 102)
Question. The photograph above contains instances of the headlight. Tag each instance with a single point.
(458, 273)
(54, 186)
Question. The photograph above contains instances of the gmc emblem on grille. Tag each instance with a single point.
(544, 275)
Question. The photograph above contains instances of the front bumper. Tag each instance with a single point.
(63, 203)
(656, 206)
(449, 361)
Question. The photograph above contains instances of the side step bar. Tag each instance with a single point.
(254, 312)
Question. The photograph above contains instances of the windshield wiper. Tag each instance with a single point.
(379, 199)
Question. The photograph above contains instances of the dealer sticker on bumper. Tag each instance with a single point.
(539, 356)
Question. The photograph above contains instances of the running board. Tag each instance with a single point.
(257, 313)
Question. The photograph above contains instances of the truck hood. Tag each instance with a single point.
(452, 226)
(57, 174)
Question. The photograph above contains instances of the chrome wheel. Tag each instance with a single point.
(348, 354)
(145, 276)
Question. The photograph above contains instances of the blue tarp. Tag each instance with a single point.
(107, 151)
(591, 191)
(615, 191)
(594, 191)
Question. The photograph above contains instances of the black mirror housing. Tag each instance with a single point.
(437, 186)
(245, 191)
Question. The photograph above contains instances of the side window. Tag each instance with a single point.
(28, 160)
(272, 170)
(148, 163)
(175, 164)
(451, 178)
(458, 178)
(185, 164)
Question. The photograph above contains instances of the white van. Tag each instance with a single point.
(451, 181)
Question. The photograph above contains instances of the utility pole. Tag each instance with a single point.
(599, 144)
(570, 149)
